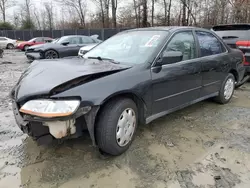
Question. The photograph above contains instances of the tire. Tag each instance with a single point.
(25, 48)
(107, 128)
(51, 54)
(10, 46)
(229, 82)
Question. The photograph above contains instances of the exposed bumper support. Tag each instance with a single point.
(90, 121)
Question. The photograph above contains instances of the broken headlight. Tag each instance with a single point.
(50, 108)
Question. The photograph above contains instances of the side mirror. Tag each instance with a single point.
(65, 43)
(170, 57)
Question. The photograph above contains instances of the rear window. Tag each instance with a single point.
(232, 31)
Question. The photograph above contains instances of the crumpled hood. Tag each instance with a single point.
(43, 76)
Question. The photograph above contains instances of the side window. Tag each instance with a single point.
(209, 44)
(47, 40)
(39, 40)
(2, 39)
(75, 40)
(87, 40)
(183, 42)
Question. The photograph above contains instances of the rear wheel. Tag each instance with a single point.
(51, 54)
(25, 48)
(10, 46)
(227, 90)
(116, 126)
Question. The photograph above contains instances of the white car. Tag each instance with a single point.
(85, 49)
(7, 43)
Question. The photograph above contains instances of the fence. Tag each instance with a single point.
(29, 34)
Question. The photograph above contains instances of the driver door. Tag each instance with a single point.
(73, 47)
(179, 83)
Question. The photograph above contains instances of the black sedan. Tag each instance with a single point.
(62, 47)
(132, 78)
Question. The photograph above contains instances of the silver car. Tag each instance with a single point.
(7, 43)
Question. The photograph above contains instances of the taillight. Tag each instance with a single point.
(243, 44)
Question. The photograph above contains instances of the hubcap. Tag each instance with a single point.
(229, 88)
(125, 127)
(51, 55)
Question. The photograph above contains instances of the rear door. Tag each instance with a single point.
(215, 62)
(236, 36)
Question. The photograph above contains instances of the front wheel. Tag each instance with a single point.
(227, 90)
(51, 54)
(10, 46)
(116, 126)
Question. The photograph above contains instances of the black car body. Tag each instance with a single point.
(236, 36)
(59, 48)
(140, 79)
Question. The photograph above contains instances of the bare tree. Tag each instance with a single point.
(49, 14)
(4, 5)
(144, 13)
(169, 11)
(136, 6)
(103, 5)
(79, 6)
(114, 9)
(27, 6)
(153, 12)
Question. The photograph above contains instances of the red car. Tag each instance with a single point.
(39, 40)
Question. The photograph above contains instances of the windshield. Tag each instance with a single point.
(63, 39)
(55, 40)
(32, 40)
(134, 47)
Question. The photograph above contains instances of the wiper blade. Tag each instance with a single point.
(102, 58)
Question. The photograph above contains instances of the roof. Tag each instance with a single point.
(166, 28)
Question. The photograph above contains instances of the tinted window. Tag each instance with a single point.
(39, 40)
(47, 40)
(232, 32)
(185, 43)
(87, 40)
(75, 40)
(2, 39)
(209, 44)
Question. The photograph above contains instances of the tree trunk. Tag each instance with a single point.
(82, 16)
(144, 14)
(136, 14)
(184, 13)
(139, 16)
(169, 11)
(107, 12)
(102, 14)
(152, 13)
(114, 8)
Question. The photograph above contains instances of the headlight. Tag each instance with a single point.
(50, 108)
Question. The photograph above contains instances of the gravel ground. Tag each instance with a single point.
(203, 146)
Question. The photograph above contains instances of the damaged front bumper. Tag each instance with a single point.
(34, 55)
(45, 130)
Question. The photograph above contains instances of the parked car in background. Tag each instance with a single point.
(156, 71)
(85, 49)
(35, 41)
(7, 43)
(63, 47)
(236, 36)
